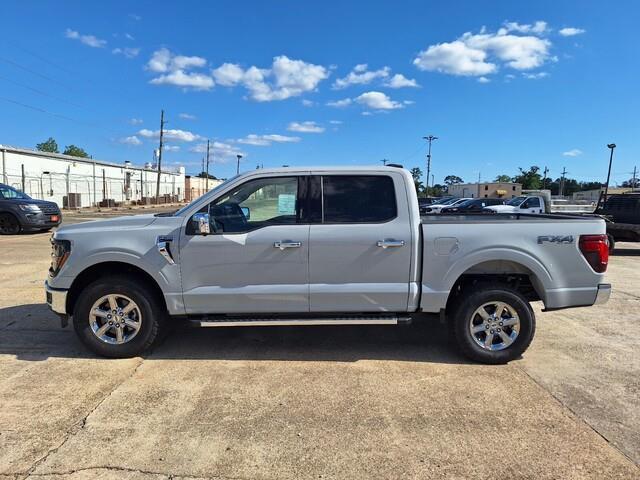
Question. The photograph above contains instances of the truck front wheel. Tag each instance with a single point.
(495, 324)
(117, 317)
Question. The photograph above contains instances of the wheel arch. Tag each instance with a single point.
(109, 268)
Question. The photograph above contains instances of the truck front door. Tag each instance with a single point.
(360, 250)
(255, 259)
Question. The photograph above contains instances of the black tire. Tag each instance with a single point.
(9, 224)
(152, 313)
(462, 319)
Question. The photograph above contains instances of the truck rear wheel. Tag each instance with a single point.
(495, 324)
(117, 317)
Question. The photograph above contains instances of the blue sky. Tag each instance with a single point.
(502, 83)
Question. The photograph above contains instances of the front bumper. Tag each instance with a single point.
(604, 292)
(56, 299)
(35, 221)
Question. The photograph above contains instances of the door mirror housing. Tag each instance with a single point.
(246, 211)
(201, 223)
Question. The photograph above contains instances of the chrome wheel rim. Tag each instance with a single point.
(494, 326)
(115, 319)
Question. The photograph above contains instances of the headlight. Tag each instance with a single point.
(29, 207)
(60, 250)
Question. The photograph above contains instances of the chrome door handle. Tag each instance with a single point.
(390, 242)
(287, 244)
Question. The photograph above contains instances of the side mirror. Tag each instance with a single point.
(246, 212)
(201, 223)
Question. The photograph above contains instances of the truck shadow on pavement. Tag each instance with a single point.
(32, 332)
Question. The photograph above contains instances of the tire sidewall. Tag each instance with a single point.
(151, 317)
(10, 216)
(468, 306)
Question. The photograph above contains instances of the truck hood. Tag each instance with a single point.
(502, 208)
(117, 223)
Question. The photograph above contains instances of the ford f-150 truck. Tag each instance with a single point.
(317, 246)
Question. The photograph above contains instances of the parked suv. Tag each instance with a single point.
(473, 205)
(19, 212)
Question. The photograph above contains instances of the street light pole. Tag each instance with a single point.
(429, 138)
(610, 146)
(238, 164)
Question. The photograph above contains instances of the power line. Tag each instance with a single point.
(33, 72)
(40, 92)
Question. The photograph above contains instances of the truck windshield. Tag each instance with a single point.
(219, 187)
(8, 192)
(516, 202)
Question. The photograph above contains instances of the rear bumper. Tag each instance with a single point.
(604, 292)
(577, 297)
(56, 299)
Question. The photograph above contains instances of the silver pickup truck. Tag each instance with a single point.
(322, 246)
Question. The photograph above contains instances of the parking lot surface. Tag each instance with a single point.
(317, 402)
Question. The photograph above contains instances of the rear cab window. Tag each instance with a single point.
(358, 199)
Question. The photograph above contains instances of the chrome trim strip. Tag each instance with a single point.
(58, 301)
(298, 322)
(604, 292)
(162, 243)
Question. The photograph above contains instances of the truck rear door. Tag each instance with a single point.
(360, 252)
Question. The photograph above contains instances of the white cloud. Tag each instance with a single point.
(128, 36)
(228, 74)
(336, 122)
(284, 79)
(132, 140)
(483, 53)
(170, 134)
(340, 103)
(171, 148)
(572, 153)
(483, 80)
(89, 40)
(187, 116)
(400, 81)
(222, 152)
(535, 76)
(570, 31)
(307, 103)
(538, 27)
(377, 101)
(128, 52)
(360, 75)
(135, 121)
(180, 78)
(163, 60)
(266, 140)
(305, 127)
(175, 70)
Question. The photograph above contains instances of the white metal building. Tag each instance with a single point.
(83, 182)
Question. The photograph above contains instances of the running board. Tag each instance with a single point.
(263, 322)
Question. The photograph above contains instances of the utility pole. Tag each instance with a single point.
(610, 146)
(429, 138)
(207, 171)
(384, 161)
(238, 156)
(633, 180)
(564, 172)
(544, 179)
(160, 157)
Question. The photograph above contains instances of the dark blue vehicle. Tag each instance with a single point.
(21, 213)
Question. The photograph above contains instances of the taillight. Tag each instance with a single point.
(595, 249)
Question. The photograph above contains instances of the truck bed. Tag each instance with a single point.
(502, 218)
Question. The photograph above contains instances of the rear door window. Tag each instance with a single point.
(358, 199)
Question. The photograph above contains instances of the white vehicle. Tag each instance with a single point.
(533, 204)
(450, 202)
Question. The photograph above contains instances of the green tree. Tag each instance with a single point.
(416, 173)
(503, 179)
(75, 151)
(204, 175)
(50, 146)
(452, 180)
(530, 179)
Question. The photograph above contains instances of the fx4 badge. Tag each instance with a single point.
(557, 239)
